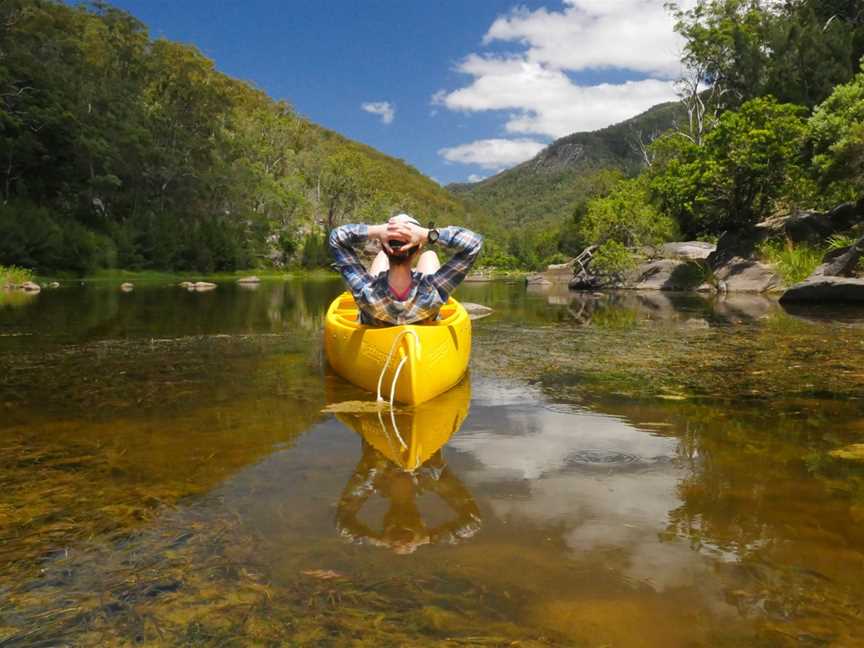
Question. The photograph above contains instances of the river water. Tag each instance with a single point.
(616, 470)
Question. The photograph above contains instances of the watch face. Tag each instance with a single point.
(433, 235)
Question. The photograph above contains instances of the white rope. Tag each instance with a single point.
(392, 395)
(401, 364)
(393, 348)
(387, 434)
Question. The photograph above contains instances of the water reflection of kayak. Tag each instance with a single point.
(408, 438)
(401, 460)
(435, 355)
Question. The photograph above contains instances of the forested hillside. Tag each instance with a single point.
(118, 150)
(547, 187)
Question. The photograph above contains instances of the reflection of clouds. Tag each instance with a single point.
(547, 441)
(603, 483)
(485, 392)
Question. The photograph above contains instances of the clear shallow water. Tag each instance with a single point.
(625, 470)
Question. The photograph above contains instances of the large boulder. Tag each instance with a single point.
(249, 280)
(666, 274)
(746, 275)
(687, 250)
(817, 226)
(826, 289)
(586, 282)
(538, 279)
(738, 245)
(560, 273)
(557, 273)
(841, 262)
(29, 286)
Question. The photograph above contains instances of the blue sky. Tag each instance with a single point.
(458, 88)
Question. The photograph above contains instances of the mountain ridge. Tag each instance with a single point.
(545, 187)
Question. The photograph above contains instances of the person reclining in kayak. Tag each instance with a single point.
(390, 292)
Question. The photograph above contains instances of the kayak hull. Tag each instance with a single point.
(358, 352)
(410, 437)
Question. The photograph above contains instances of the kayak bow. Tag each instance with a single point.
(436, 354)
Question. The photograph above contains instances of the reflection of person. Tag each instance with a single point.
(390, 292)
(403, 529)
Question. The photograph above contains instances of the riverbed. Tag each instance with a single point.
(621, 469)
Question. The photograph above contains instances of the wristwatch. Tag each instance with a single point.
(432, 236)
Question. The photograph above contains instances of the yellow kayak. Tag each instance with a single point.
(409, 438)
(428, 358)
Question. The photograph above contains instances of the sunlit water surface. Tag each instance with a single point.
(618, 470)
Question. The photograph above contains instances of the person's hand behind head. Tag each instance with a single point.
(410, 234)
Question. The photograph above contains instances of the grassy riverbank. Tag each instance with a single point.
(156, 276)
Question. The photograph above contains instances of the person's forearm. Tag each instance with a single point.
(460, 239)
(377, 231)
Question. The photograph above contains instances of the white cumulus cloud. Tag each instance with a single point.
(383, 109)
(493, 153)
(595, 34)
(534, 86)
(545, 101)
(473, 177)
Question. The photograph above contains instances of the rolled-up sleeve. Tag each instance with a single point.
(467, 246)
(343, 242)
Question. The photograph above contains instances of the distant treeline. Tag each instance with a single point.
(118, 150)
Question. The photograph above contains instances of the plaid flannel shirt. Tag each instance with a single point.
(428, 293)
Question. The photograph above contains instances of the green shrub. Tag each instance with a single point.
(498, 259)
(836, 133)
(29, 237)
(794, 262)
(612, 259)
(739, 175)
(557, 258)
(14, 275)
(627, 216)
(839, 241)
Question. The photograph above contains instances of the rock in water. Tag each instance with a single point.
(201, 286)
(29, 286)
(478, 277)
(537, 280)
(127, 286)
(477, 311)
(54, 284)
(665, 274)
(826, 289)
(746, 275)
(186, 284)
(249, 280)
